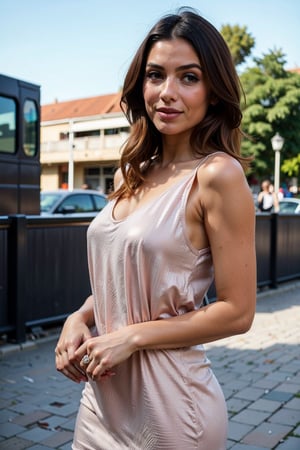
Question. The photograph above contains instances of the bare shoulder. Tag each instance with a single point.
(221, 177)
(220, 168)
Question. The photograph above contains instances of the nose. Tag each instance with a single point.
(168, 89)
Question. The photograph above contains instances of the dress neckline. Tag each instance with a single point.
(150, 202)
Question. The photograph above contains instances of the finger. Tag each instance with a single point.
(69, 369)
(100, 370)
(81, 351)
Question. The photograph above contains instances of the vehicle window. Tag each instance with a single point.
(48, 200)
(81, 203)
(8, 114)
(287, 207)
(30, 116)
(100, 202)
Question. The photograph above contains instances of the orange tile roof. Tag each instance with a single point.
(297, 70)
(85, 107)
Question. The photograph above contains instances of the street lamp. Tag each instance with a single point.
(277, 144)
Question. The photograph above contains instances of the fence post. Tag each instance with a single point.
(273, 250)
(17, 247)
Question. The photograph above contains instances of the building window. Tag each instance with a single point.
(109, 170)
(80, 134)
(63, 136)
(114, 131)
(92, 177)
(30, 128)
(8, 116)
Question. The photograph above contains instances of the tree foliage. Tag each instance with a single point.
(291, 167)
(272, 105)
(239, 41)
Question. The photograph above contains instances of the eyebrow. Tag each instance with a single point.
(178, 69)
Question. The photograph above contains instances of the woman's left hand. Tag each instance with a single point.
(100, 355)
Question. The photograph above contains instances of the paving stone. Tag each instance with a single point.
(10, 429)
(250, 393)
(28, 419)
(236, 431)
(15, 443)
(278, 396)
(41, 447)
(278, 376)
(7, 416)
(267, 435)
(291, 443)
(58, 439)
(286, 417)
(294, 388)
(247, 447)
(235, 405)
(36, 434)
(251, 417)
(293, 404)
(266, 383)
(65, 410)
(53, 422)
(23, 408)
(5, 403)
(66, 446)
(296, 432)
(70, 424)
(265, 405)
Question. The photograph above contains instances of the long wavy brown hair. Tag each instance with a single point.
(220, 128)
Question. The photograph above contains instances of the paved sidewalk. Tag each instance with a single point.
(259, 373)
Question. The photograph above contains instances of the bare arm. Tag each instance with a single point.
(229, 219)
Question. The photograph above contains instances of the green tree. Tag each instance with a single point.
(239, 41)
(272, 105)
(291, 167)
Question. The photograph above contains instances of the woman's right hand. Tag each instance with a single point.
(74, 333)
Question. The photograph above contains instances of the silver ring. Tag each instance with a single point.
(85, 360)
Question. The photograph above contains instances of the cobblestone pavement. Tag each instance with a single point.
(259, 373)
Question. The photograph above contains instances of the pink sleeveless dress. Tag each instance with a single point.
(144, 268)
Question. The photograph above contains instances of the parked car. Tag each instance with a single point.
(289, 205)
(79, 202)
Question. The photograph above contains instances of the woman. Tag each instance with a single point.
(181, 214)
(267, 199)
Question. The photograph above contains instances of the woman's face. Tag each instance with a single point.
(175, 93)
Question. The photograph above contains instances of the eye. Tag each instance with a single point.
(154, 75)
(190, 78)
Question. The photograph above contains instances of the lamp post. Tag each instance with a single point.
(71, 157)
(277, 144)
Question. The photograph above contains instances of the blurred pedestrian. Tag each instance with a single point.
(267, 198)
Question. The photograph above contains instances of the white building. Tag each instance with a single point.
(81, 141)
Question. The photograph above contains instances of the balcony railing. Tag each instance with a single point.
(84, 149)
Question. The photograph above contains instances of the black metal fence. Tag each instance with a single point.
(44, 273)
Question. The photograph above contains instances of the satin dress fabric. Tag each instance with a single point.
(143, 268)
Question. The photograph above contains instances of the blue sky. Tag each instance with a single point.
(82, 48)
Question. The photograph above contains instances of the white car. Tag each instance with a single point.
(289, 206)
(79, 202)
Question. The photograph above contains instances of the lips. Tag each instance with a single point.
(168, 113)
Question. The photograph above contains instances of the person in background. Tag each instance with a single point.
(280, 193)
(267, 199)
(181, 216)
